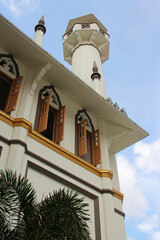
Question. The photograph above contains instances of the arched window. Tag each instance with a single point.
(87, 139)
(51, 114)
(10, 83)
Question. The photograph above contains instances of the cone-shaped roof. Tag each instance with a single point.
(41, 25)
(95, 68)
(41, 21)
(90, 18)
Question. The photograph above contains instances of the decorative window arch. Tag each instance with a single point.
(8, 62)
(50, 114)
(10, 83)
(87, 139)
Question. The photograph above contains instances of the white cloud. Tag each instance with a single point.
(129, 238)
(135, 203)
(139, 181)
(149, 224)
(19, 7)
(148, 158)
(156, 235)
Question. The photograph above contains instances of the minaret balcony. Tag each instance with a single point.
(86, 34)
(85, 26)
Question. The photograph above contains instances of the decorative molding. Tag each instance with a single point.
(116, 137)
(55, 167)
(107, 191)
(73, 49)
(51, 89)
(9, 61)
(40, 27)
(71, 29)
(78, 36)
(85, 25)
(96, 76)
(81, 113)
(21, 122)
(122, 110)
(55, 147)
(102, 46)
(118, 195)
(102, 31)
(74, 158)
(116, 105)
(69, 32)
(69, 47)
(119, 212)
(93, 37)
(107, 173)
(86, 44)
(41, 73)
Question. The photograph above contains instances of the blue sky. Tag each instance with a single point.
(132, 80)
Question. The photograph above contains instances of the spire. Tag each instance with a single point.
(95, 68)
(41, 21)
(95, 73)
(41, 25)
(40, 30)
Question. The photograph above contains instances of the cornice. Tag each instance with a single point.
(118, 195)
(21, 122)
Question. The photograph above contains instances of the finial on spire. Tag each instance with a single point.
(41, 25)
(95, 68)
(95, 73)
(41, 21)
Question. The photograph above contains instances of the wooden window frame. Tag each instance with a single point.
(13, 96)
(95, 151)
(95, 148)
(43, 116)
(59, 127)
(58, 131)
(82, 141)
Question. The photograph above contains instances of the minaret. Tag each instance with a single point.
(96, 76)
(86, 42)
(40, 30)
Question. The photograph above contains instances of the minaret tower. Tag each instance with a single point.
(86, 47)
(40, 30)
(96, 77)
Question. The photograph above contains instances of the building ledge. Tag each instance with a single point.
(21, 122)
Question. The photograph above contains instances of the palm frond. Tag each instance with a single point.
(61, 215)
(17, 201)
(66, 215)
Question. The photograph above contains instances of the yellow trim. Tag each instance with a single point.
(6, 118)
(118, 195)
(21, 122)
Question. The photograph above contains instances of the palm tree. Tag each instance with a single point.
(17, 205)
(62, 215)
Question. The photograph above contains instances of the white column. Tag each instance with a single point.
(40, 30)
(82, 63)
(38, 38)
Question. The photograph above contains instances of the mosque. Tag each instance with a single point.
(58, 128)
